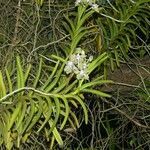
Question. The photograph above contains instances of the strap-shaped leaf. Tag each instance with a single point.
(80, 30)
(75, 122)
(9, 80)
(56, 113)
(91, 84)
(27, 72)
(66, 112)
(69, 87)
(51, 76)
(19, 121)
(100, 59)
(55, 81)
(5, 120)
(67, 27)
(52, 142)
(30, 114)
(56, 133)
(75, 97)
(20, 76)
(70, 23)
(63, 82)
(72, 124)
(112, 63)
(99, 93)
(38, 114)
(83, 19)
(38, 74)
(81, 11)
(117, 57)
(15, 113)
(2, 86)
(47, 113)
(77, 39)
(58, 58)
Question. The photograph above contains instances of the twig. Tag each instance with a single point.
(48, 44)
(14, 39)
(132, 120)
(128, 85)
(126, 115)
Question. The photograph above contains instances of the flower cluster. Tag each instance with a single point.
(89, 3)
(78, 64)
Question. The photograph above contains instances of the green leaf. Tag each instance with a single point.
(37, 115)
(75, 122)
(20, 76)
(98, 93)
(56, 133)
(83, 19)
(9, 80)
(77, 39)
(66, 113)
(15, 114)
(70, 23)
(29, 116)
(56, 113)
(22, 112)
(38, 74)
(75, 97)
(91, 84)
(2, 86)
(94, 64)
(117, 58)
(51, 76)
(55, 81)
(69, 87)
(47, 113)
(27, 72)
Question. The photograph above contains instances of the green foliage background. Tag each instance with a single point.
(41, 106)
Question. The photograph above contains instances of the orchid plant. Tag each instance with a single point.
(32, 104)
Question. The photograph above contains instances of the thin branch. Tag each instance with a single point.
(126, 115)
(27, 89)
(131, 119)
(48, 44)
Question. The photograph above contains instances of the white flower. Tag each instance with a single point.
(78, 57)
(77, 2)
(87, 3)
(82, 75)
(90, 58)
(78, 49)
(84, 66)
(95, 7)
(78, 64)
(69, 67)
(70, 64)
(76, 70)
(83, 52)
(73, 58)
